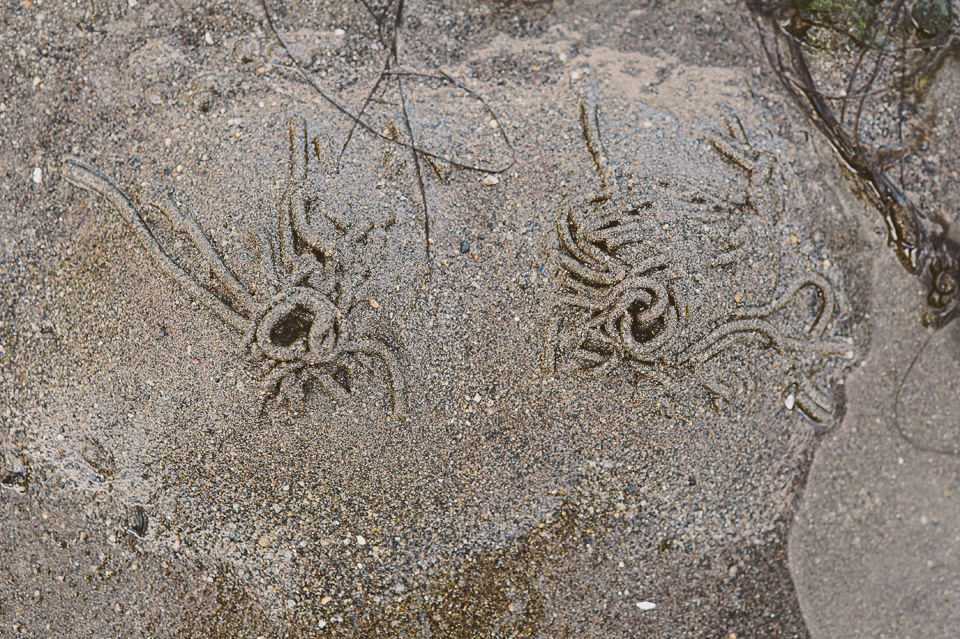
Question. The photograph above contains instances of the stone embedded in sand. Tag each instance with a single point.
(932, 17)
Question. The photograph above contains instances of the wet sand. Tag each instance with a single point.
(579, 396)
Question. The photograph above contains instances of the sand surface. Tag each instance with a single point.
(562, 373)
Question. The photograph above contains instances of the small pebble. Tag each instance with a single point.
(374, 303)
(490, 180)
(208, 38)
(37, 175)
(789, 401)
(139, 522)
(646, 605)
(464, 246)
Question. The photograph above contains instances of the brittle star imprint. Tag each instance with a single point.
(302, 334)
(623, 297)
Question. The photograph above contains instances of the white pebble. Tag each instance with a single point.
(790, 401)
(646, 605)
(37, 175)
(360, 540)
(208, 38)
(490, 180)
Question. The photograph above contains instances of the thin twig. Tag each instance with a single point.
(391, 60)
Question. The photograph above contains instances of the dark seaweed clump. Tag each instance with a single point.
(861, 69)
